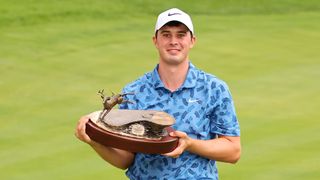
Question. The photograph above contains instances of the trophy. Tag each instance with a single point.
(144, 131)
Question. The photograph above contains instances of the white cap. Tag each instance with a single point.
(174, 14)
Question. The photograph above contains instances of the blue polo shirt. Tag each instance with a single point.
(203, 108)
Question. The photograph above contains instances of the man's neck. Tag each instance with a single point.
(173, 76)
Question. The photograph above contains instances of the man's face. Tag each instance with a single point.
(174, 43)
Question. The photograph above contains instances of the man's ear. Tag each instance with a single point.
(154, 39)
(193, 41)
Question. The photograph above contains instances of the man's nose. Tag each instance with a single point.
(173, 40)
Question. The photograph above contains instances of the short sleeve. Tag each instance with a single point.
(223, 117)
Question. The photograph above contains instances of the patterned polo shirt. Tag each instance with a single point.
(203, 108)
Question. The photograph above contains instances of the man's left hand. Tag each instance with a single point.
(184, 143)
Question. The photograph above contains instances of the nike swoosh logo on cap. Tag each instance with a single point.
(171, 14)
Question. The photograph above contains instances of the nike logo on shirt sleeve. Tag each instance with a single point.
(193, 100)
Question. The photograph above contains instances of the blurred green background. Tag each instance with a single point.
(55, 55)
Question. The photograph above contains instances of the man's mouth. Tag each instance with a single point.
(173, 50)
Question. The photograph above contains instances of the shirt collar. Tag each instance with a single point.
(189, 82)
(156, 81)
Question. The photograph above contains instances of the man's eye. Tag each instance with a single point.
(165, 35)
(181, 35)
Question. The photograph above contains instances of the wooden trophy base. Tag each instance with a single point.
(133, 144)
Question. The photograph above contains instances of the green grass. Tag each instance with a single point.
(55, 56)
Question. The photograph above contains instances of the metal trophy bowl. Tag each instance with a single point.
(143, 131)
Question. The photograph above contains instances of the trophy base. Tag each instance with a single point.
(163, 145)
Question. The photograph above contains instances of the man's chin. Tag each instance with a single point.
(174, 60)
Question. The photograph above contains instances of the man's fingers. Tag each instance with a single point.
(179, 150)
(80, 131)
(179, 134)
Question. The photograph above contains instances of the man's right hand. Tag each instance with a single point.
(80, 131)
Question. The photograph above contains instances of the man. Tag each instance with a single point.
(206, 122)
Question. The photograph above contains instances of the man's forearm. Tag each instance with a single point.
(224, 149)
(117, 157)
